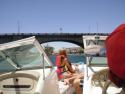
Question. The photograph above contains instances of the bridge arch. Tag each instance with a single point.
(68, 41)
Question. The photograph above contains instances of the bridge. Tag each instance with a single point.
(75, 38)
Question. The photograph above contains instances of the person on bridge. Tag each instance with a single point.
(115, 50)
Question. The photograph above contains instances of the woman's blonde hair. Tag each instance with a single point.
(62, 52)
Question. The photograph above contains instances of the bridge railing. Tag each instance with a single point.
(53, 34)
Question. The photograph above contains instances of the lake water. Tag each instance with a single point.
(73, 58)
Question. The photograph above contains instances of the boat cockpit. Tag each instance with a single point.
(26, 69)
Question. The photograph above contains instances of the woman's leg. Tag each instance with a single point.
(76, 85)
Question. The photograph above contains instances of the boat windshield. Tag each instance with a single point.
(95, 50)
(94, 42)
(21, 57)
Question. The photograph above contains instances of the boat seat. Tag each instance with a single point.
(65, 89)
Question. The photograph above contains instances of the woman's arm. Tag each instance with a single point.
(69, 66)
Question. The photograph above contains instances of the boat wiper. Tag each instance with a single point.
(9, 60)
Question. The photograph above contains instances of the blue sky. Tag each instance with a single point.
(47, 16)
(73, 16)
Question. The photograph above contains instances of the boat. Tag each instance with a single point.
(96, 80)
(26, 69)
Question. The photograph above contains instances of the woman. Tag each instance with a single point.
(64, 68)
(67, 73)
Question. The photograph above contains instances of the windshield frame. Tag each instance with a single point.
(23, 42)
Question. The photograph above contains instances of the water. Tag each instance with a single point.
(73, 58)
